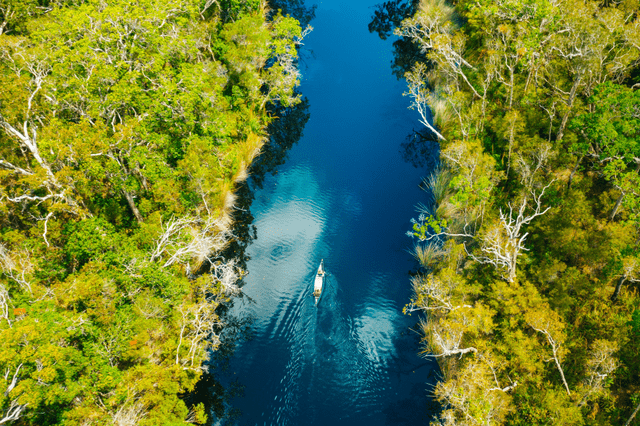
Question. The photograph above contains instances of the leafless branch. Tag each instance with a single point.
(8, 166)
(15, 410)
(554, 338)
(504, 242)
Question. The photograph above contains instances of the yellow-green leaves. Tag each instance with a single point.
(124, 126)
(532, 106)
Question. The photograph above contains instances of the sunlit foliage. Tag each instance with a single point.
(124, 126)
(529, 280)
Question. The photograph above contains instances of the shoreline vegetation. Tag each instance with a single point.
(124, 129)
(529, 244)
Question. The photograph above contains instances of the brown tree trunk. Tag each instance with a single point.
(615, 208)
(132, 205)
(621, 281)
(511, 91)
(511, 138)
(620, 198)
(632, 415)
(572, 96)
(573, 172)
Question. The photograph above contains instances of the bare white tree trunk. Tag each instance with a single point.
(503, 244)
(544, 326)
(132, 204)
(13, 413)
(15, 410)
(633, 415)
(420, 99)
(16, 265)
(600, 364)
(191, 238)
(4, 304)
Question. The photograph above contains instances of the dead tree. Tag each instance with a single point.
(630, 270)
(548, 324)
(15, 410)
(504, 242)
(600, 364)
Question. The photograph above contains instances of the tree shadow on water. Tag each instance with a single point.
(294, 8)
(421, 149)
(284, 132)
(213, 392)
(216, 388)
(386, 18)
(418, 408)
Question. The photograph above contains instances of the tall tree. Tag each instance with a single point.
(123, 130)
(522, 93)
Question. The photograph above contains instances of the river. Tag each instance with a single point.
(345, 195)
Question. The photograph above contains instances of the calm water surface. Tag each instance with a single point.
(345, 195)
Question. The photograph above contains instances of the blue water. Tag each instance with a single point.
(345, 195)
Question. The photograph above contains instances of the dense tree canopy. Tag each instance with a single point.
(529, 248)
(124, 126)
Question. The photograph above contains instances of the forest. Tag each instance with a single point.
(528, 237)
(125, 127)
(128, 127)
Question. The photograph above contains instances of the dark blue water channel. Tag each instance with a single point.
(344, 195)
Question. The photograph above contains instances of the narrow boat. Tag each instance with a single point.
(319, 282)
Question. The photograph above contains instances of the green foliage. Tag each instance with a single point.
(635, 324)
(89, 239)
(541, 137)
(610, 131)
(123, 127)
(425, 226)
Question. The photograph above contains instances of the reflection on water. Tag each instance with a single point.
(343, 362)
(421, 149)
(284, 132)
(297, 8)
(311, 365)
(387, 16)
(344, 195)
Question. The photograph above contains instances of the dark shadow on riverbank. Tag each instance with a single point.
(284, 132)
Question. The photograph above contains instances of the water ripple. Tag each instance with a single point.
(345, 197)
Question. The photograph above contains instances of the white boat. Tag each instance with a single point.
(319, 282)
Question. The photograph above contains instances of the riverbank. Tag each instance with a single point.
(352, 359)
(124, 133)
(529, 243)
